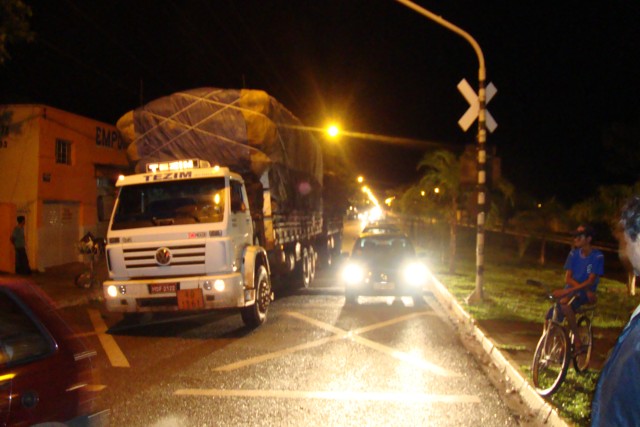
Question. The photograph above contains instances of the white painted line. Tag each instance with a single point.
(115, 355)
(276, 354)
(318, 323)
(334, 395)
(418, 362)
(392, 321)
(353, 335)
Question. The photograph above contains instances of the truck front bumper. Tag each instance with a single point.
(177, 294)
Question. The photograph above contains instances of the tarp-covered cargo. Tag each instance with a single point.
(246, 130)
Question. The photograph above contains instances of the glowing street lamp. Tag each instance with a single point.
(333, 131)
(360, 179)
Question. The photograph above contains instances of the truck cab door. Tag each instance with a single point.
(240, 228)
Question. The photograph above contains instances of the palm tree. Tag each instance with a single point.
(442, 171)
(506, 194)
(540, 221)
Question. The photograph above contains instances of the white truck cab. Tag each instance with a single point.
(181, 238)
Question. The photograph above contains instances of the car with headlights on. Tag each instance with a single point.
(384, 264)
(46, 370)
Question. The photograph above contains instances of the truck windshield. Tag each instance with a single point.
(170, 203)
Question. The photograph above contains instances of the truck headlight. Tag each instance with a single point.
(415, 274)
(353, 274)
(218, 285)
(112, 291)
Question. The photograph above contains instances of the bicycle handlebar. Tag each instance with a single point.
(548, 289)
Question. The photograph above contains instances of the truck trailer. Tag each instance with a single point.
(226, 202)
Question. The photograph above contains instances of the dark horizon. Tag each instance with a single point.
(565, 75)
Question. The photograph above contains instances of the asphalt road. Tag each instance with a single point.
(316, 362)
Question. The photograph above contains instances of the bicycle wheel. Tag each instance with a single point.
(84, 280)
(551, 360)
(581, 360)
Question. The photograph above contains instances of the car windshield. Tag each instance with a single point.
(381, 227)
(383, 245)
(169, 203)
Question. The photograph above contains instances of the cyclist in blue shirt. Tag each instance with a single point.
(583, 268)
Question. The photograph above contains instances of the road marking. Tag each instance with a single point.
(115, 355)
(334, 395)
(392, 321)
(353, 335)
(276, 354)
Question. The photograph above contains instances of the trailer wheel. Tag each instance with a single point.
(328, 253)
(313, 257)
(256, 314)
(301, 275)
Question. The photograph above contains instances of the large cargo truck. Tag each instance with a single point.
(225, 203)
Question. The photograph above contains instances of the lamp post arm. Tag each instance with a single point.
(478, 294)
(440, 20)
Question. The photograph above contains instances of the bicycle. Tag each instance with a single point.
(92, 251)
(556, 346)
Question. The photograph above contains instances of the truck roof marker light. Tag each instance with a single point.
(177, 165)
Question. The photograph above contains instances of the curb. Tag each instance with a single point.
(541, 409)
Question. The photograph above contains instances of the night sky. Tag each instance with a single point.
(565, 72)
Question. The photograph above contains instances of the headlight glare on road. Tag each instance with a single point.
(415, 274)
(352, 274)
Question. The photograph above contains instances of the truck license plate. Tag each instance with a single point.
(163, 288)
(190, 299)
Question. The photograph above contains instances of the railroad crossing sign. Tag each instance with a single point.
(472, 113)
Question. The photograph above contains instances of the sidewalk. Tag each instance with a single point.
(508, 345)
(59, 283)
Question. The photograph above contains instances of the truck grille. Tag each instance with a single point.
(188, 255)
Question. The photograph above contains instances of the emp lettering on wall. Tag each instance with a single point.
(109, 138)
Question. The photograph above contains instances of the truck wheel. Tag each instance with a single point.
(313, 257)
(301, 275)
(255, 314)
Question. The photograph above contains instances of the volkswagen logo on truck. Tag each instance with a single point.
(163, 256)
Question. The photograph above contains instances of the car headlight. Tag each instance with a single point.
(353, 274)
(415, 274)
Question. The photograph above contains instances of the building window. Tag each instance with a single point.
(63, 151)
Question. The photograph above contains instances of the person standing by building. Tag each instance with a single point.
(18, 240)
(615, 401)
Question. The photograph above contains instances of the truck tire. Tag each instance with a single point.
(302, 270)
(313, 258)
(256, 314)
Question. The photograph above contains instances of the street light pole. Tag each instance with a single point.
(478, 294)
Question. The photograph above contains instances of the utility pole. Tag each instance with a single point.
(478, 294)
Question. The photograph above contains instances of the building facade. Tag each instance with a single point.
(58, 169)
